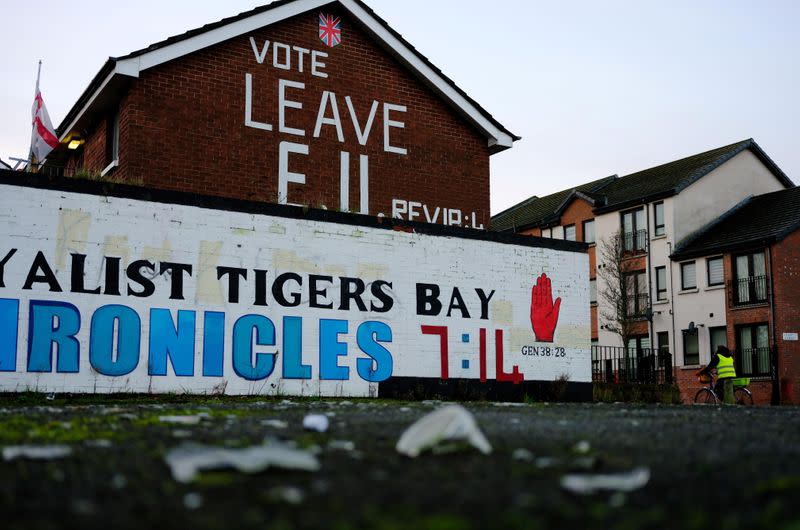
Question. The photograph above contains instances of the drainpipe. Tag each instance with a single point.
(672, 309)
(776, 385)
(649, 278)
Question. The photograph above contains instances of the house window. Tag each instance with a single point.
(558, 232)
(750, 273)
(112, 144)
(593, 291)
(661, 283)
(717, 337)
(688, 276)
(588, 231)
(691, 347)
(546, 232)
(716, 274)
(753, 350)
(634, 235)
(638, 343)
(662, 338)
(658, 217)
(637, 297)
(569, 233)
(112, 138)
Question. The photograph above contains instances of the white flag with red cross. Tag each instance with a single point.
(43, 138)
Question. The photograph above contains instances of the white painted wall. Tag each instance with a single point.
(742, 176)
(60, 224)
(696, 206)
(705, 306)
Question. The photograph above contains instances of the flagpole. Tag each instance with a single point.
(33, 121)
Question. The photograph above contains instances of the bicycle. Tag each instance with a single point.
(741, 394)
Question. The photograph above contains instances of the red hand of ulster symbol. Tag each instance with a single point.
(544, 313)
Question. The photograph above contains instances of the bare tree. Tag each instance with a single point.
(617, 296)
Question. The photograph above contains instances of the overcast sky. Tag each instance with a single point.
(593, 87)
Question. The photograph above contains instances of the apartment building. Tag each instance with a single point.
(671, 305)
(752, 255)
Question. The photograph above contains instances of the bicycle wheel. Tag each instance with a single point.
(743, 396)
(705, 396)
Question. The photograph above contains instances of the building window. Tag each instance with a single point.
(717, 337)
(558, 232)
(546, 232)
(634, 234)
(716, 273)
(661, 283)
(588, 231)
(688, 276)
(593, 291)
(750, 273)
(637, 344)
(691, 347)
(658, 217)
(664, 358)
(638, 298)
(569, 233)
(753, 350)
(662, 338)
(112, 144)
(112, 138)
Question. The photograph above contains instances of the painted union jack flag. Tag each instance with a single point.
(330, 31)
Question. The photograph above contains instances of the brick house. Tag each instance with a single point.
(363, 122)
(670, 306)
(754, 252)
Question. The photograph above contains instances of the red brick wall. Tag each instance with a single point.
(689, 385)
(785, 272)
(182, 127)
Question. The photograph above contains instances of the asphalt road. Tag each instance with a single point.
(730, 467)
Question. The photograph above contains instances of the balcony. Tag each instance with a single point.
(638, 306)
(753, 290)
(633, 243)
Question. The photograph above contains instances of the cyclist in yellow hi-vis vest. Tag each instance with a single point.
(723, 362)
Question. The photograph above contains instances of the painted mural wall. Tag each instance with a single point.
(106, 294)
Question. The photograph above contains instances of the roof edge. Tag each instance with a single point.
(499, 138)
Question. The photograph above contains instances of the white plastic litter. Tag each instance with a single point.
(620, 482)
(275, 424)
(316, 422)
(522, 455)
(545, 462)
(192, 501)
(100, 443)
(287, 494)
(341, 445)
(583, 447)
(450, 423)
(181, 420)
(36, 452)
(187, 460)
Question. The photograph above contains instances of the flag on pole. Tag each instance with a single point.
(43, 138)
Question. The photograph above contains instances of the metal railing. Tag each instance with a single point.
(634, 241)
(638, 305)
(614, 364)
(753, 362)
(749, 291)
